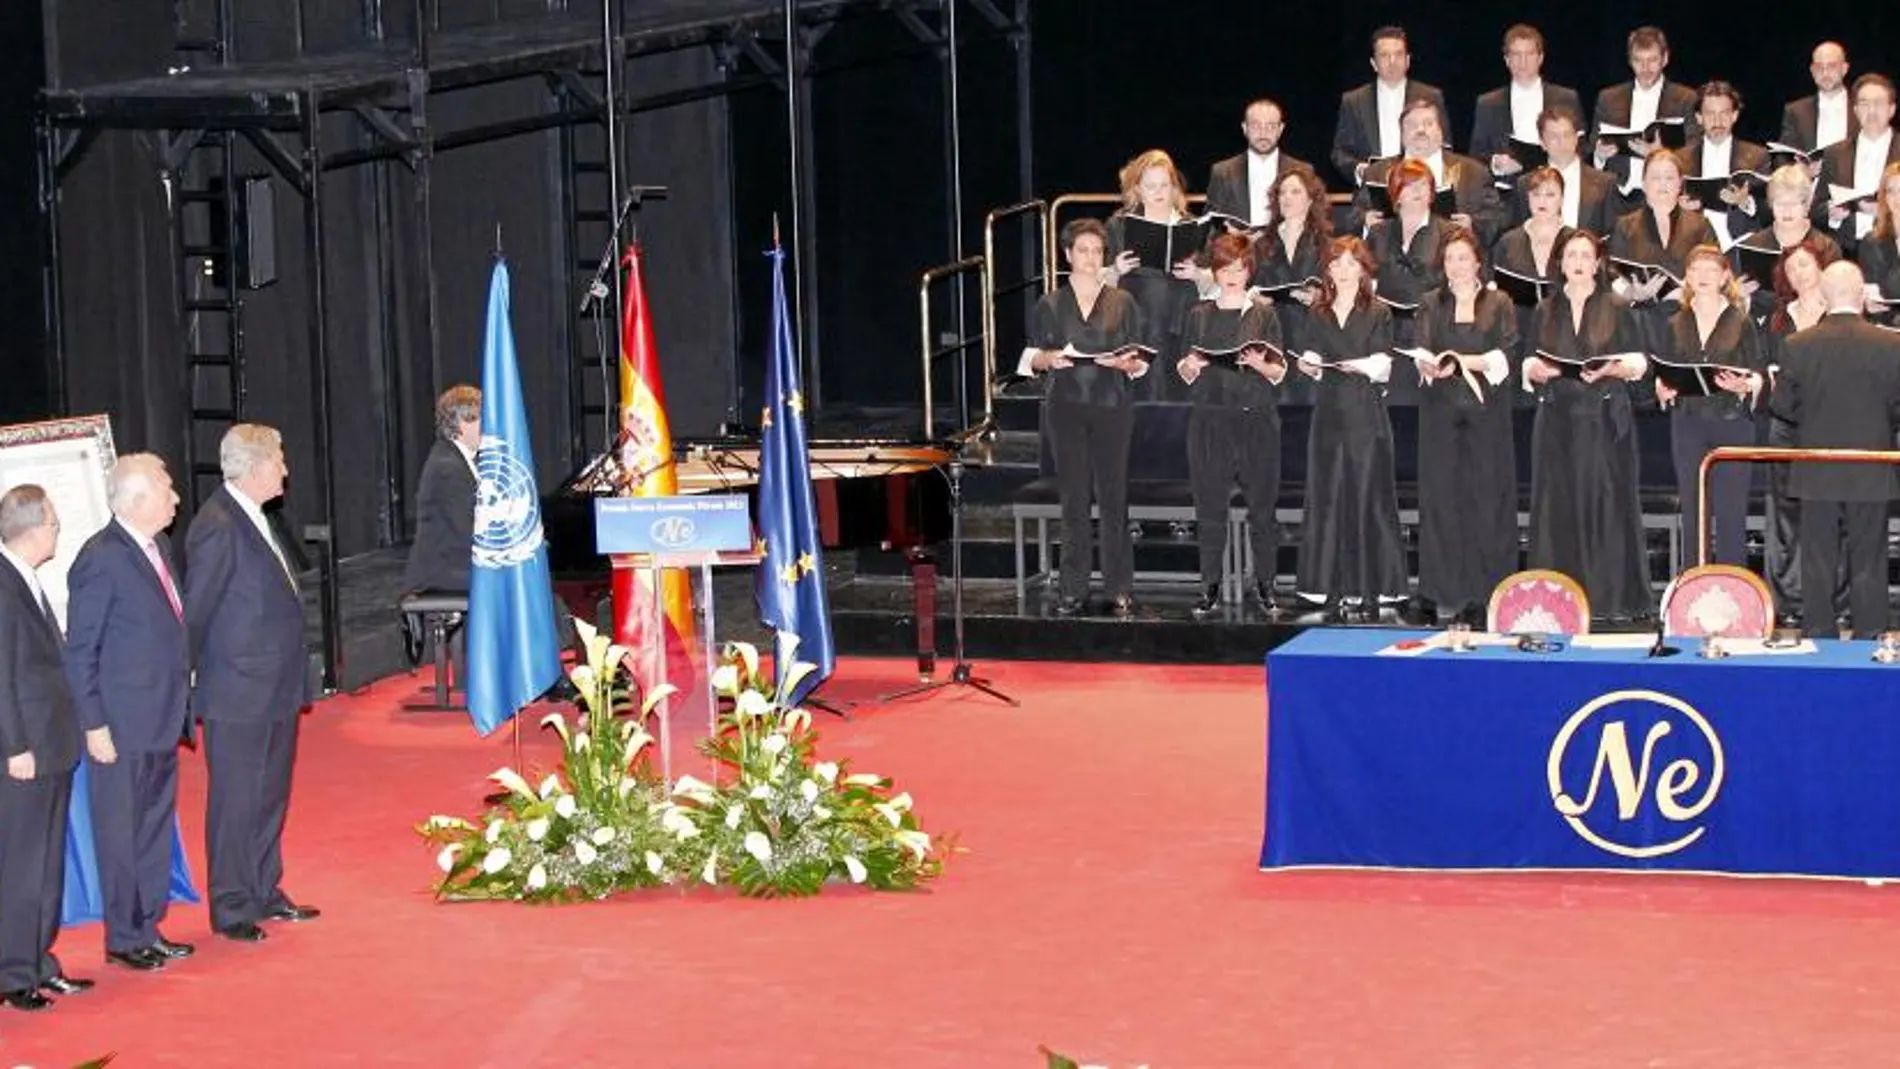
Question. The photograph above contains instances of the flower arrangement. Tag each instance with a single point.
(776, 821)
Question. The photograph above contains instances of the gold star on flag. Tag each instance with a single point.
(796, 402)
(789, 574)
(806, 564)
(765, 419)
(764, 550)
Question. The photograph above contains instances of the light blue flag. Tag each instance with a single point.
(513, 656)
(791, 580)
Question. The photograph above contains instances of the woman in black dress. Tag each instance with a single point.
(1532, 250)
(1234, 430)
(1713, 327)
(1152, 189)
(1586, 518)
(1406, 247)
(1789, 191)
(1350, 548)
(1879, 253)
(1467, 465)
(1798, 306)
(1660, 233)
(1286, 257)
(1090, 420)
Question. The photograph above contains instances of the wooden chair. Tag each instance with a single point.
(1718, 599)
(1539, 601)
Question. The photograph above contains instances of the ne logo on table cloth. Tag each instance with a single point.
(1660, 791)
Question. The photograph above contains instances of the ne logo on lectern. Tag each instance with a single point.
(1654, 766)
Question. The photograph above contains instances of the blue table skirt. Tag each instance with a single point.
(1486, 760)
(83, 901)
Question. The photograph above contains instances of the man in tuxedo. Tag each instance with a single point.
(445, 496)
(1857, 163)
(127, 663)
(1826, 117)
(1839, 386)
(1590, 200)
(40, 735)
(1477, 206)
(1513, 110)
(1647, 97)
(1718, 153)
(1369, 116)
(1238, 185)
(245, 626)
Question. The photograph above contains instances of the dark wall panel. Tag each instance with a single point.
(21, 364)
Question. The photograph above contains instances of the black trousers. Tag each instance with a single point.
(1228, 445)
(1691, 437)
(1862, 527)
(32, 875)
(249, 796)
(1092, 458)
(134, 805)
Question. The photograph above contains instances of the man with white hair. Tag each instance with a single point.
(244, 621)
(1840, 387)
(129, 667)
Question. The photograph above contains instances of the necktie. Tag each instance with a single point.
(164, 578)
(46, 610)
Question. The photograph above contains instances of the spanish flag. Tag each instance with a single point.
(646, 454)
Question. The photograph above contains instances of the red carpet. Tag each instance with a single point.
(1108, 906)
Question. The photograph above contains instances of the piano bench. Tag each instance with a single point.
(441, 613)
(1157, 500)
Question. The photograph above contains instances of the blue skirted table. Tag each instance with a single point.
(1581, 759)
(83, 900)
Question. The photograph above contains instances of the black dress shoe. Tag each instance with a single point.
(294, 913)
(30, 1001)
(166, 948)
(66, 985)
(243, 933)
(1263, 594)
(1123, 606)
(1069, 607)
(144, 959)
(1210, 601)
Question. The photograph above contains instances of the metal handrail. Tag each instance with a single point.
(928, 352)
(1770, 454)
(1052, 224)
(1041, 209)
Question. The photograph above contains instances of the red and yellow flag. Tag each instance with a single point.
(646, 454)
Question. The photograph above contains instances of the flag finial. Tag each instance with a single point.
(775, 241)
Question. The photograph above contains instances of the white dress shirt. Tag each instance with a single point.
(467, 453)
(1261, 171)
(1573, 190)
(1643, 104)
(1830, 118)
(1717, 162)
(1436, 163)
(1391, 100)
(255, 512)
(1527, 102)
(1870, 160)
(27, 572)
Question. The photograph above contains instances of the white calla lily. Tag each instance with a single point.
(537, 877)
(759, 793)
(628, 785)
(758, 846)
(497, 860)
(493, 833)
(446, 859)
(774, 743)
(889, 813)
(725, 680)
(511, 781)
(656, 696)
(692, 788)
(795, 675)
(558, 722)
(676, 821)
(901, 803)
(856, 868)
(826, 770)
(655, 863)
(748, 656)
(604, 835)
(915, 841)
(808, 790)
(566, 807)
(710, 873)
(750, 704)
(786, 643)
(537, 829)
(734, 814)
(585, 680)
(584, 852)
(582, 742)
(550, 786)
(797, 720)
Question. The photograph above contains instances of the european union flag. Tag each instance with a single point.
(791, 579)
(512, 653)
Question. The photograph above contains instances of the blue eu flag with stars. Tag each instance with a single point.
(791, 581)
(513, 656)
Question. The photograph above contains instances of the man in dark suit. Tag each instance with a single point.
(1512, 110)
(1238, 185)
(1368, 124)
(1477, 206)
(1590, 199)
(1825, 117)
(1839, 386)
(1717, 153)
(40, 736)
(445, 496)
(1856, 164)
(127, 662)
(1648, 96)
(245, 625)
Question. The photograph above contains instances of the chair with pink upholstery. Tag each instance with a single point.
(1539, 601)
(1718, 599)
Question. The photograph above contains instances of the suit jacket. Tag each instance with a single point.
(1840, 387)
(126, 650)
(1471, 188)
(245, 620)
(445, 522)
(1491, 120)
(1837, 167)
(1742, 156)
(1597, 201)
(1227, 184)
(1613, 109)
(36, 705)
(1801, 120)
(1356, 135)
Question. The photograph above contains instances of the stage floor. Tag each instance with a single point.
(1107, 905)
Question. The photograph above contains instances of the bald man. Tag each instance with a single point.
(1826, 116)
(1840, 387)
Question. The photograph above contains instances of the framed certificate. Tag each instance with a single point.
(69, 459)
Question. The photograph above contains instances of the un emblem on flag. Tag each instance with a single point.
(1660, 791)
(507, 510)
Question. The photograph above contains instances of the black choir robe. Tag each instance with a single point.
(1515, 252)
(1636, 238)
(1407, 271)
(1164, 301)
(1356, 133)
(1597, 201)
(1227, 191)
(1491, 119)
(1234, 434)
(1762, 304)
(1880, 263)
(1613, 109)
(1471, 189)
(1277, 265)
(1742, 156)
(1699, 424)
(1586, 517)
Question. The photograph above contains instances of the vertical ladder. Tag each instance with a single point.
(588, 210)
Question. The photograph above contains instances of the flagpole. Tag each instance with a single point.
(609, 62)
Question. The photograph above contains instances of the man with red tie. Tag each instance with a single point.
(127, 661)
